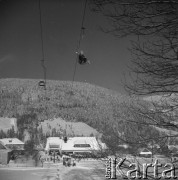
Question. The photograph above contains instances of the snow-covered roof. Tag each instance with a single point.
(74, 143)
(8, 141)
(81, 144)
(171, 147)
(145, 151)
(51, 141)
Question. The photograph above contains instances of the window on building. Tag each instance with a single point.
(53, 146)
(82, 145)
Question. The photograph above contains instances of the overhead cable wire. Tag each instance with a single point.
(43, 56)
(42, 46)
(80, 39)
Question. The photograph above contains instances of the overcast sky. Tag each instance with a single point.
(20, 43)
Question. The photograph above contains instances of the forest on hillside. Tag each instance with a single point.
(110, 113)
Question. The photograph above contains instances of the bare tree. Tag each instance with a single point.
(140, 125)
(154, 27)
(139, 17)
(155, 50)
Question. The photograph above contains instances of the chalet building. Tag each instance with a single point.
(12, 143)
(81, 144)
(73, 145)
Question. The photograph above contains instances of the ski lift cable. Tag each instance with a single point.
(42, 83)
(79, 41)
(42, 47)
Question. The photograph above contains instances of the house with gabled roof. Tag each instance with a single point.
(73, 144)
(80, 144)
(144, 152)
(12, 143)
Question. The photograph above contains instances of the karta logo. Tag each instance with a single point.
(127, 170)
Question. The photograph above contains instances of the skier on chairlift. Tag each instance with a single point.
(82, 59)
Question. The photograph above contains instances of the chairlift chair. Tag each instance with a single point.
(42, 84)
(82, 60)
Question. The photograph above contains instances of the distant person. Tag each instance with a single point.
(82, 59)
